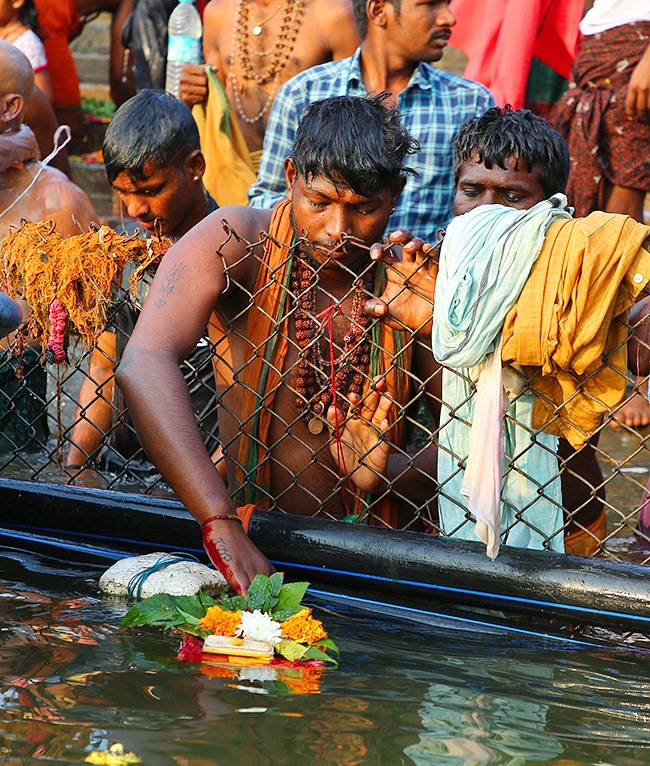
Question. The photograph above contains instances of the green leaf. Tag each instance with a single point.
(206, 601)
(233, 603)
(257, 592)
(314, 653)
(195, 631)
(167, 611)
(291, 650)
(327, 643)
(280, 615)
(157, 610)
(274, 586)
(291, 595)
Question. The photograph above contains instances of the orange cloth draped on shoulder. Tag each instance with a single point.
(570, 321)
(262, 373)
(500, 38)
(60, 20)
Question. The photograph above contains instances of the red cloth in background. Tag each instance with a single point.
(60, 20)
(500, 38)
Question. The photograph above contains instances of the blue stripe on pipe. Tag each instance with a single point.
(327, 594)
(468, 620)
(380, 578)
(450, 589)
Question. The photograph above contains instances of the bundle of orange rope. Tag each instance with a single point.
(82, 273)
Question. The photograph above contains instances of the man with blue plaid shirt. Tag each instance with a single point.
(400, 38)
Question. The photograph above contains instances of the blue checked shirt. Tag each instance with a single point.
(433, 106)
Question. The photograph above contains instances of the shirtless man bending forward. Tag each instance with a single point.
(344, 177)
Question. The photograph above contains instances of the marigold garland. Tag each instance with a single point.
(303, 628)
(220, 621)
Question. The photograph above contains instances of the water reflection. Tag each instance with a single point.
(400, 696)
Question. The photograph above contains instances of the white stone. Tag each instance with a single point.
(182, 578)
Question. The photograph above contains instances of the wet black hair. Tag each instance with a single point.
(353, 141)
(151, 126)
(29, 17)
(361, 15)
(501, 133)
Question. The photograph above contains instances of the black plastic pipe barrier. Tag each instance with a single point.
(402, 564)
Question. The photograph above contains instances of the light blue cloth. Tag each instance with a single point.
(486, 257)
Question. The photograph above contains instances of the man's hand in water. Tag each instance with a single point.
(233, 554)
(194, 85)
(363, 452)
(411, 270)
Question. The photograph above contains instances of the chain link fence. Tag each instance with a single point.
(68, 423)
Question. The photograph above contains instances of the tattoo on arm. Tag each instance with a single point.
(167, 288)
(222, 550)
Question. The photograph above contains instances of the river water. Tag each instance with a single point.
(73, 680)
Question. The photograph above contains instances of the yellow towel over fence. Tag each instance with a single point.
(567, 321)
(229, 168)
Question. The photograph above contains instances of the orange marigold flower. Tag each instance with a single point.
(303, 628)
(220, 621)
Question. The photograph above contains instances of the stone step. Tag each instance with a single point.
(91, 51)
(95, 37)
(91, 177)
(92, 68)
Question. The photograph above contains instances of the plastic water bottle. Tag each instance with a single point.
(184, 44)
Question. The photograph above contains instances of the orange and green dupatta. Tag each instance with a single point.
(268, 342)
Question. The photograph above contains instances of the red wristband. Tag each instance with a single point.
(219, 517)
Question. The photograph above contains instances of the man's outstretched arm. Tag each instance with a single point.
(184, 292)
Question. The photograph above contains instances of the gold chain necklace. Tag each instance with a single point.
(279, 54)
(257, 29)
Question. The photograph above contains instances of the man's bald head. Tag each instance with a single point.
(16, 85)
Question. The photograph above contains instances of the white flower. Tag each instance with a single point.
(259, 627)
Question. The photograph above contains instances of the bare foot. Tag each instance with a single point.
(635, 413)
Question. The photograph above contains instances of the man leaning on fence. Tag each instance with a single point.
(552, 307)
(153, 161)
(290, 324)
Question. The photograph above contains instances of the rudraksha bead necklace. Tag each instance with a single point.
(279, 54)
(313, 382)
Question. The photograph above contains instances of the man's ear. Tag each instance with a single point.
(11, 107)
(195, 165)
(289, 174)
(376, 12)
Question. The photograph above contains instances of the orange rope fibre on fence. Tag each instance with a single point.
(82, 272)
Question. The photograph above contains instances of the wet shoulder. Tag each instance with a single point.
(243, 222)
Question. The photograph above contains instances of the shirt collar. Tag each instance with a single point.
(421, 78)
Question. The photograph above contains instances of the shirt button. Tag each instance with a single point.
(638, 278)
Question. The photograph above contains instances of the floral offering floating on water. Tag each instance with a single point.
(269, 627)
(114, 756)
